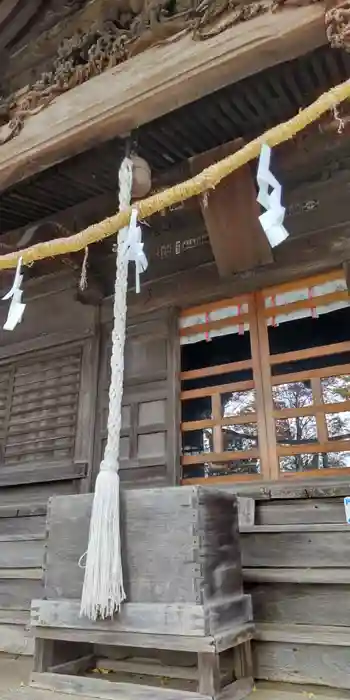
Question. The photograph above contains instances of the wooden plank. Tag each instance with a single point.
(303, 549)
(331, 371)
(22, 526)
(246, 512)
(230, 213)
(300, 603)
(313, 409)
(94, 687)
(15, 617)
(218, 369)
(269, 456)
(302, 663)
(154, 618)
(132, 639)
(216, 324)
(153, 572)
(259, 370)
(321, 300)
(23, 554)
(322, 351)
(219, 389)
(330, 446)
(215, 305)
(17, 594)
(309, 510)
(279, 691)
(234, 637)
(15, 639)
(237, 690)
(270, 575)
(296, 527)
(74, 667)
(236, 420)
(147, 668)
(177, 73)
(218, 457)
(209, 674)
(41, 472)
(303, 634)
(262, 691)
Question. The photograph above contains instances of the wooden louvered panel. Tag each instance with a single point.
(40, 409)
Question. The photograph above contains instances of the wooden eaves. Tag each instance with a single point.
(153, 83)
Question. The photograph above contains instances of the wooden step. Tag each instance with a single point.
(303, 634)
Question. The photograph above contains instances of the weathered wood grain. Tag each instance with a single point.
(22, 525)
(313, 510)
(93, 687)
(303, 634)
(16, 639)
(307, 576)
(147, 668)
(231, 215)
(301, 549)
(146, 641)
(22, 554)
(301, 604)
(302, 663)
(182, 619)
(153, 571)
(152, 84)
(17, 594)
(15, 617)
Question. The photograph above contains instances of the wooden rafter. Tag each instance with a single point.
(153, 83)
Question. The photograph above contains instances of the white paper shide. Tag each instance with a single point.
(17, 307)
(269, 196)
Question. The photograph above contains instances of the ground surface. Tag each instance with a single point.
(14, 676)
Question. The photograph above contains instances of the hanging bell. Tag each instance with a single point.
(142, 178)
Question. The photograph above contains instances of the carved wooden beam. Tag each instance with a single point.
(153, 83)
(230, 213)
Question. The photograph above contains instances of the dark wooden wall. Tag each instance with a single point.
(48, 383)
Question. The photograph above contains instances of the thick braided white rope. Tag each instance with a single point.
(111, 456)
(103, 590)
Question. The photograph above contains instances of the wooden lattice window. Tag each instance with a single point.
(221, 416)
(39, 397)
(307, 376)
(283, 408)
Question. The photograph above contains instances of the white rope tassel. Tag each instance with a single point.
(103, 590)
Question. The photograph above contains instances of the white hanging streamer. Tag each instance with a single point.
(272, 219)
(133, 248)
(16, 309)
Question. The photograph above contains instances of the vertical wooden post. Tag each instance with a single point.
(43, 654)
(218, 440)
(272, 471)
(259, 390)
(209, 674)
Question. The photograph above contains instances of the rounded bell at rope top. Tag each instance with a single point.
(142, 177)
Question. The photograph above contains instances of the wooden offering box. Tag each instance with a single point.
(186, 626)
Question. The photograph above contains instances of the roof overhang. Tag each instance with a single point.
(154, 83)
